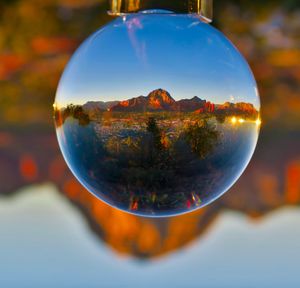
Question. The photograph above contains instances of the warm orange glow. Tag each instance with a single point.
(292, 188)
(52, 45)
(57, 169)
(28, 168)
(134, 205)
(241, 120)
(233, 120)
(72, 188)
(258, 122)
(9, 64)
(124, 103)
(148, 238)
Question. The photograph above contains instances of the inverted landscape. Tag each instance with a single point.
(153, 154)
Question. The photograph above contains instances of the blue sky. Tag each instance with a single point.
(179, 53)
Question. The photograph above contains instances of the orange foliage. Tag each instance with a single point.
(78, 3)
(57, 169)
(268, 187)
(293, 183)
(131, 235)
(285, 58)
(72, 188)
(148, 238)
(53, 45)
(10, 63)
(28, 168)
(182, 229)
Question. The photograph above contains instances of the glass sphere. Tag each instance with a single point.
(157, 114)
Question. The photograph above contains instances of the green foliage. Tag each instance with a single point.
(141, 160)
(153, 128)
(202, 138)
(77, 112)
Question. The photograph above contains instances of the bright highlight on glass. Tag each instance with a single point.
(157, 114)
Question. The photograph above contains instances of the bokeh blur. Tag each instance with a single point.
(37, 38)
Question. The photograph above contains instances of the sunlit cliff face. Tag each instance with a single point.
(157, 115)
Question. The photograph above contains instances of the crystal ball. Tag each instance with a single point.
(157, 114)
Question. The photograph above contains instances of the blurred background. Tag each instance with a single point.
(53, 233)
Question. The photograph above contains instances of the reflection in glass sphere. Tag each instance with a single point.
(157, 114)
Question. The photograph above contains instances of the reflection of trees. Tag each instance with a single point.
(75, 111)
(201, 137)
(140, 160)
(142, 163)
(149, 163)
(238, 111)
(220, 118)
(153, 128)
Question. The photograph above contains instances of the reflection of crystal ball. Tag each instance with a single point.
(157, 114)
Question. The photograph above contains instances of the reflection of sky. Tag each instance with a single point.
(178, 53)
(45, 242)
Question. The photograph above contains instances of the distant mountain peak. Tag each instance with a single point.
(161, 95)
(189, 105)
(196, 98)
(157, 100)
(161, 100)
(99, 105)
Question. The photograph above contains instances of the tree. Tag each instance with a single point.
(153, 128)
(202, 138)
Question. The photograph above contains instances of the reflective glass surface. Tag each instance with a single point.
(157, 114)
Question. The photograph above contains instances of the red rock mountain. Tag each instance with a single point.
(239, 107)
(99, 105)
(190, 105)
(158, 100)
(161, 100)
